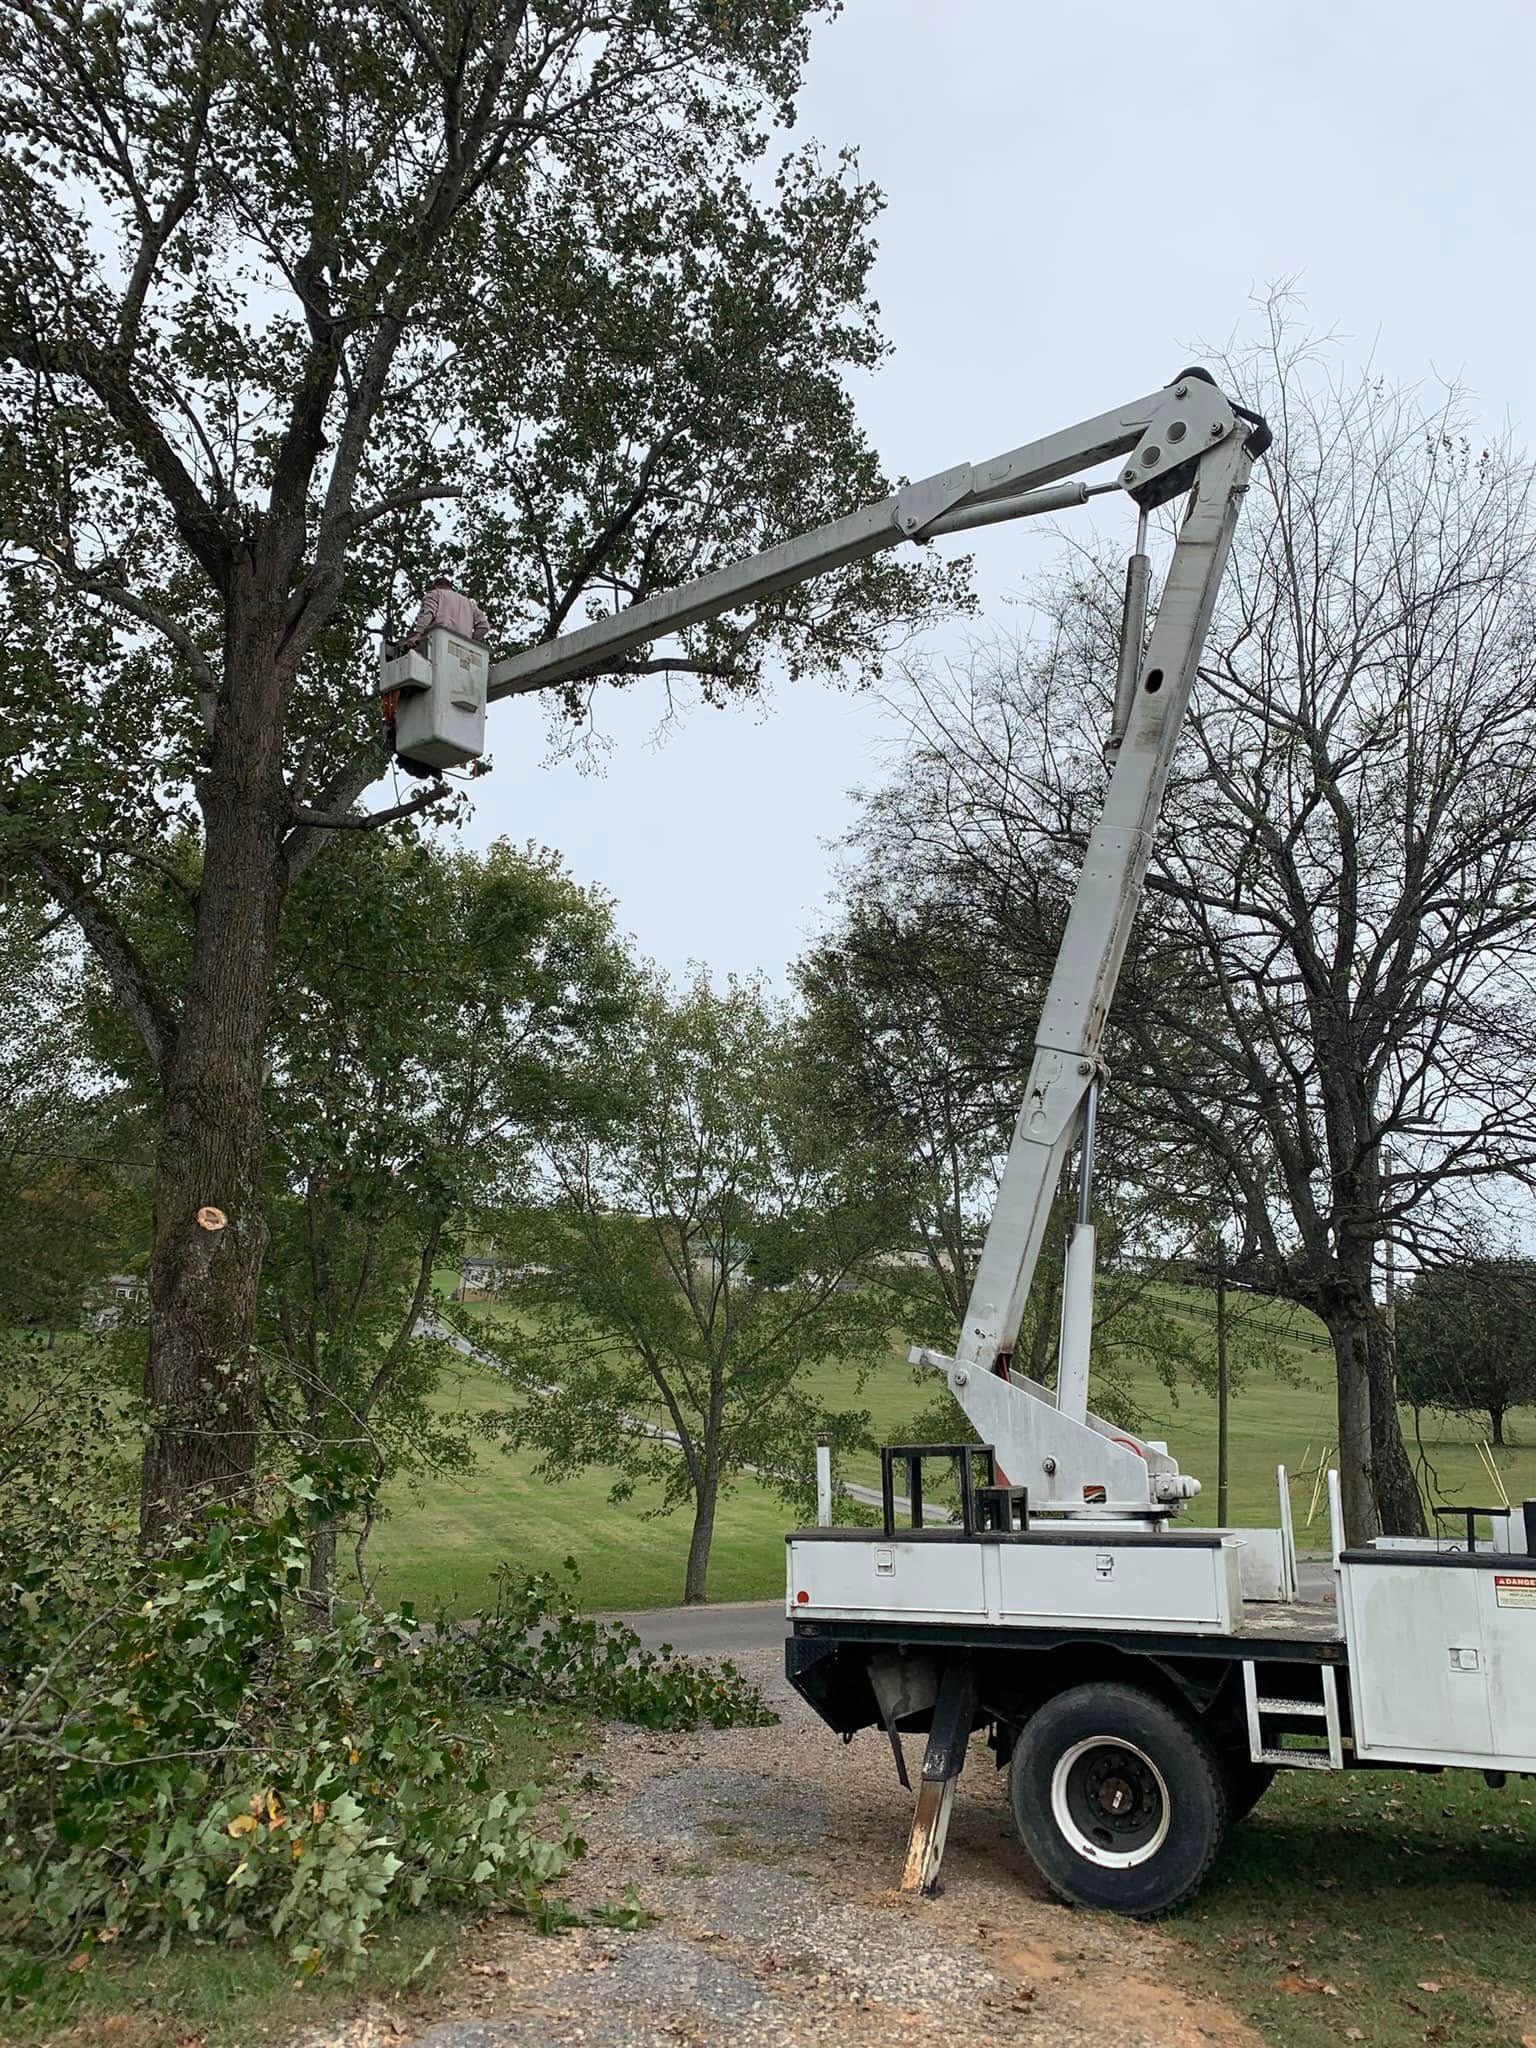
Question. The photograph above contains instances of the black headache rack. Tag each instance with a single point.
(1503, 1513)
(985, 1507)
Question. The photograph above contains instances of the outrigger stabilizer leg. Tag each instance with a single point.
(948, 1738)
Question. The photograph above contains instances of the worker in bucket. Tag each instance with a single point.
(442, 606)
(445, 606)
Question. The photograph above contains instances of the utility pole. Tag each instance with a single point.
(1222, 1387)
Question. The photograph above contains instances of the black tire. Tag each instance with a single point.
(1247, 1782)
(1119, 1800)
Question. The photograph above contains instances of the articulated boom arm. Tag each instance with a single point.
(1184, 437)
(1162, 433)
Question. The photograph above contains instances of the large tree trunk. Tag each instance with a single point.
(1347, 1319)
(1496, 1423)
(202, 1379)
(1398, 1503)
(696, 1577)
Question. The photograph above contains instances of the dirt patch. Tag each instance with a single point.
(767, 1857)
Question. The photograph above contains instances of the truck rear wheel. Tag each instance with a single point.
(1118, 1799)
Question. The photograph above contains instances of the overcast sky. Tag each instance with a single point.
(1077, 194)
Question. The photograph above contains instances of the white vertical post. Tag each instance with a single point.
(1076, 1323)
(1335, 1516)
(1287, 1535)
(823, 1481)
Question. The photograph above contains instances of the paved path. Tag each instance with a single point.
(729, 1629)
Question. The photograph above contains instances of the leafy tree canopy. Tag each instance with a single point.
(1466, 1338)
(281, 285)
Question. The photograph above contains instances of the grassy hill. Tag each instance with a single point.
(441, 1542)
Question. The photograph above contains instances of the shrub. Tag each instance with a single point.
(183, 1758)
(534, 1647)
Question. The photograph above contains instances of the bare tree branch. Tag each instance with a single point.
(350, 821)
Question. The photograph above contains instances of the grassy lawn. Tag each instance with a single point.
(440, 1544)
(1383, 1908)
(221, 1995)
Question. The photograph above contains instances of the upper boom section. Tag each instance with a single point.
(1164, 434)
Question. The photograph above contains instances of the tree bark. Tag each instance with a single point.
(202, 1379)
(1223, 1391)
(1399, 1506)
(321, 1577)
(696, 1577)
(1496, 1423)
(1347, 1321)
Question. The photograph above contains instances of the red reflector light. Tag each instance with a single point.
(802, 1599)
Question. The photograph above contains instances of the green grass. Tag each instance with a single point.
(441, 1543)
(1341, 1899)
(221, 1995)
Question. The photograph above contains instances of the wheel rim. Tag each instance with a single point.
(1110, 1802)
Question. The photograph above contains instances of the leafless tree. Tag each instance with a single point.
(1334, 957)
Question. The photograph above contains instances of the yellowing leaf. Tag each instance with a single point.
(77, 1963)
(243, 1824)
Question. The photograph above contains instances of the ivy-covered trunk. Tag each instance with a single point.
(202, 1379)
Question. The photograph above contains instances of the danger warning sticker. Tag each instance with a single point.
(1515, 1589)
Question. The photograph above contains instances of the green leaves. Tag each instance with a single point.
(536, 1649)
(183, 1763)
(435, 1011)
(702, 1239)
(528, 254)
(1466, 1336)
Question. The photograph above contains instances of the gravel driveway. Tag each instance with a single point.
(768, 1857)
